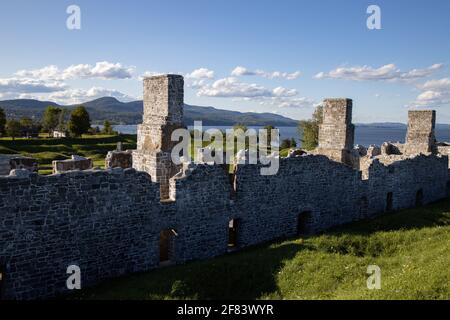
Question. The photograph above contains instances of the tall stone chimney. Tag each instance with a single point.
(163, 113)
(336, 133)
(420, 137)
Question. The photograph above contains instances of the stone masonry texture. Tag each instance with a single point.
(109, 222)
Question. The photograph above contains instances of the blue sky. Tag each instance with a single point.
(254, 55)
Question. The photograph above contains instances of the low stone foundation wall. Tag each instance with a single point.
(76, 163)
(11, 162)
(119, 159)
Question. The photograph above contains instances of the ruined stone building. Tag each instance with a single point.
(120, 221)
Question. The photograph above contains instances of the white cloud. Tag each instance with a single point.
(242, 71)
(46, 73)
(286, 102)
(434, 93)
(74, 96)
(386, 72)
(102, 70)
(196, 84)
(201, 73)
(441, 84)
(18, 85)
(231, 87)
(106, 70)
(283, 92)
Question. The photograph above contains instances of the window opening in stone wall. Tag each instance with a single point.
(389, 201)
(2, 280)
(233, 234)
(419, 198)
(363, 208)
(304, 223)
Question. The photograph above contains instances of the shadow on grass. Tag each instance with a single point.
(432, 215)
(241, 275)
(252, 273)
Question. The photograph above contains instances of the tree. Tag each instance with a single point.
(51, 119)
(27, 126)
(13, 128)
(62, 121)
(288, 143)
(107, 128)
(79, 122)
(293, 143)
(310, 129)
(2, 122)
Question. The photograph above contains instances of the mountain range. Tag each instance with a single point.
(109, 108)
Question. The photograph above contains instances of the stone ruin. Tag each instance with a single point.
(119, 221)
(163, 113)
(119, 158)
(12, 162)
(75, 163)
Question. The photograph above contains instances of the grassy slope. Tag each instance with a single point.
(47, 150)
(412, 248)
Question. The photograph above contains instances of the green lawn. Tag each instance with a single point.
(412, 248)
(45, 150)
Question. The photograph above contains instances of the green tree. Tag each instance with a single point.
(285, 144)
(51, 119)
(13, 128)
(107, 128)
(79, 122)
(310, 129)
(62, 126)
(293, 143)
(27, 126)
(2, 122)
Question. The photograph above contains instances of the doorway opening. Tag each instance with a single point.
(304, 223)
(166, 246)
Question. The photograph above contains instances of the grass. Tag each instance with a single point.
(412, 248)
(45, 150)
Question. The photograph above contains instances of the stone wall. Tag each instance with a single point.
(420, 137)
(336, 132)
(115, 222)
(119, 159)
(163, 113)
(104, 222)
(11, 162)
(75, 163)
(109, 222)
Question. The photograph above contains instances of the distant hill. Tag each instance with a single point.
(109, 108)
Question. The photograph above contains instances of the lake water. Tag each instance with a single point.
(364, 135)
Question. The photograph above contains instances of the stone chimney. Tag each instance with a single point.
(163, 113)
(336, 133)
(420, 137)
